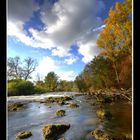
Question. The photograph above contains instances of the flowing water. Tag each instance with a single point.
(82, 120)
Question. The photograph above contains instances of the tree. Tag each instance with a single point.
(20, 87)
(102, 72)
(51, 81)
(40, 87)
(14, 68)
(29, 67)
(66, 85)
(80, 83)
(18, 70)
(116, 38)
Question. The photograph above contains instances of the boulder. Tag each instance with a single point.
(23, 134)
(60, 113)
(15, 107)
(101, 135)
(103, 114)
(52, 131)
(73, 105)
(59, 100)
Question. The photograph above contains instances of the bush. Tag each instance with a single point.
(20, 87)
(39, 89)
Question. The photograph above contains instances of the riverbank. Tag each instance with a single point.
(112, 95)
(105, 98)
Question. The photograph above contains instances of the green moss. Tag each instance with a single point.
(52, 131)
(101, 135)
(15, 107)
(103, 114)
(73, 105)
(59, 100)
(60, 113)
(24, 134)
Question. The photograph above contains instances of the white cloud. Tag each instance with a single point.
(71, 60)
(67, 23)
(67, 75)
(21, 10)
(47, 64)
(61, 52)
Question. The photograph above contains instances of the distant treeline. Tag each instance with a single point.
(51, 83)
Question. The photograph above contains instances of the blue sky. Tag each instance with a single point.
(60, 34)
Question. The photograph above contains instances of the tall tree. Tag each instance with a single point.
(116, 38)
(51, 81)
(14, 69)
(17, 69)
(29, 67)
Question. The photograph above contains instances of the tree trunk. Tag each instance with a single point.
(117, 76)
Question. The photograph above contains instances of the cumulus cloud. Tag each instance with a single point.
(66, 23)
(69, 21)
(71, 60)
(47, 64)
(67, 75)
(21, 10)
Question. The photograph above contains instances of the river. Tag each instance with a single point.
(82, 120)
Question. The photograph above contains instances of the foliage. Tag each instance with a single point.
(51, 82)
(40, 87)
(113, 66)
(20, 87)
(116, 38)
(66, 86)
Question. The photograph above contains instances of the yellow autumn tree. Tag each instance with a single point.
(116, 38)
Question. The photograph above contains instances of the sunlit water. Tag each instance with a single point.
(82, 119)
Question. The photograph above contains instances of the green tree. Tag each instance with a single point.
(103, 74)
(40, 87)
(51, 81)
(79, 80)
(20, 87)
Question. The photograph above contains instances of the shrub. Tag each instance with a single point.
(20, 87)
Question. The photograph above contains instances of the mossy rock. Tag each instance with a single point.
(60, 113)
(52, 131)
(73, 105)
(15, 107)
(101, 135)
(23, 134)
(103, 114)
(59, 100)
(61, 103)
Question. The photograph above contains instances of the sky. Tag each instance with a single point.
(60, 34)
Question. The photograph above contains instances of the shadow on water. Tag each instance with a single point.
(82, 119)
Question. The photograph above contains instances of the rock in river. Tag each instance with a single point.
(103, 114)
(52, 131)
(73, 105)
(60, 113)
(15, 107)
(24, 134)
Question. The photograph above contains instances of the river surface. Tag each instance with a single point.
(82, 120)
